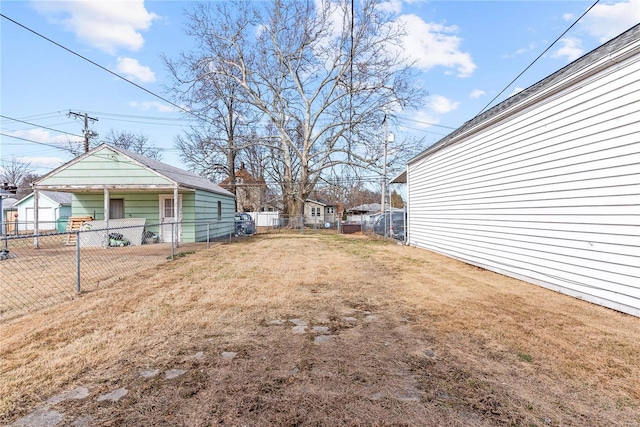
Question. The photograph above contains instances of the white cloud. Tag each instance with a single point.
(567, 17)
(422, 119)
(132, 70)
(106, 25)
(607, 20)
(476, 93)
(571, 48)
(391, 6)
(435, 45)
(515, 91)
(442, 105)
(44, 136)
(153, 105)
(48, 162)
(520, 51)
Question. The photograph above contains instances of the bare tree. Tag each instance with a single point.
(322, 73)
(14, 172)
(210, 148)
(136, 142)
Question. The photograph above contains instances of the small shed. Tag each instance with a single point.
(318, 213)
(109, 183)
(53, 206)
(545, 186)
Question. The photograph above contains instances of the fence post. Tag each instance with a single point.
(172, 234)
(78, 261)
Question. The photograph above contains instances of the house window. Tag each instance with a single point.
(313, 211)
(116, 208)
(219, 210)
(168, 208)
(330, 210)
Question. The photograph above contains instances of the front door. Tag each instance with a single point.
(167, 218)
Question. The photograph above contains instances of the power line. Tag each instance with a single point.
(39, 126)
(539, 56)
(44, 115)
(36, 142)
(99, 66)
(131, 116)
(424, 123)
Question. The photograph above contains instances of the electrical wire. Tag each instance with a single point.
(100, 66)
(539, 56)
(36, 142)
(40, 126)
(424, 123)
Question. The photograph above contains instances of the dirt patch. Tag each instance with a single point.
(410, 338)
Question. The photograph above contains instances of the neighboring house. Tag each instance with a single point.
(319, 213)
(362, 213)
(545, 186)
(52, 206)
(9, 215)
(251, 193)
(110, 183)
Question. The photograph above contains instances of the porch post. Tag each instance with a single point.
(36, 220)
(106, 214)
(176, 212)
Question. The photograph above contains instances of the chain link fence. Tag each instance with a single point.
(40, 270)
(274, 222)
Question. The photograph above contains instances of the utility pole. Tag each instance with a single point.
(384, 165)
(87, 133)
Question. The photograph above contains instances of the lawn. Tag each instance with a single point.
(322, 330)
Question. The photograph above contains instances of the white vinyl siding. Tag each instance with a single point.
(550, 194)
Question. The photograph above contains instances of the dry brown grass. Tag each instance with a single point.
(435, 342)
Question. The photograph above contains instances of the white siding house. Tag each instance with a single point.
(545, 186)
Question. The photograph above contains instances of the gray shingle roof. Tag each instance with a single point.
(613, 45)
(180, 176)
(55, 196)
(58, 197)
(371, 207)
(8, 203)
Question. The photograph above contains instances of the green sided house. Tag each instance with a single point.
(117, 188)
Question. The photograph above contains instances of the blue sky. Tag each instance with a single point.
(467, 52)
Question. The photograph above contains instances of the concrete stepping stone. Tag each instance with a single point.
(408, 396)
(321, 339)
(85, 421)
(301, 329)
(43, 417)
(114, 396)
(174, 373)
(299, 322)
(229, 355)
(350, 319)
(199, 355)
(76, 393)
(429, 353)
(320, 329)
(150, 373)
(377, 396)
(371, 318)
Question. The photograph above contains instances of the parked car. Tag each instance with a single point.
(395, 230)
(244, 224)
